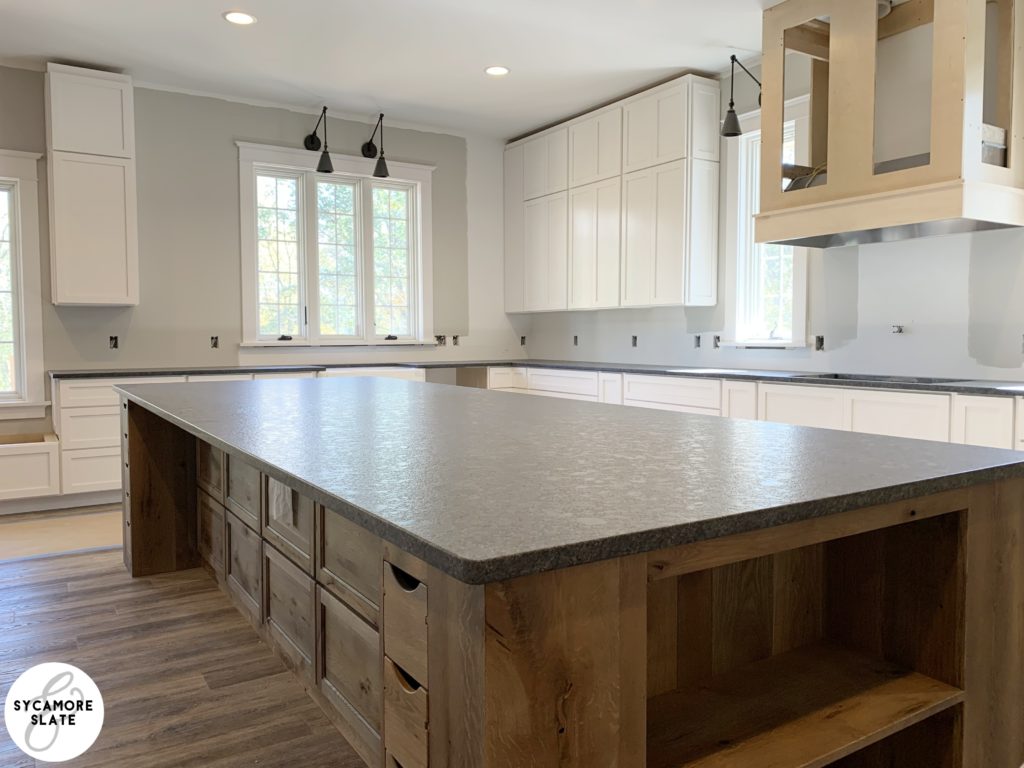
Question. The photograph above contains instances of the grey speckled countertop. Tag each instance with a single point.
(488, 486)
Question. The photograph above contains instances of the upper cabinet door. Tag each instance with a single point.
(639, 198)
(705, 117)
(655, 127)
(594, 221)
(546, 164)
(515, 225)
(546, 253)
(702, 235)
(595, 148)
(90, 112)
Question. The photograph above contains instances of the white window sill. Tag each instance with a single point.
(22, 409)
(302, 344)
(763, 344)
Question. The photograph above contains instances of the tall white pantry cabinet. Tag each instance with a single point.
(90, 142)
(617, 207)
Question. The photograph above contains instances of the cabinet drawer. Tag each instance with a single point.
(913, 415)
(349, 673)
(210, 534)
(985, 421)
(668, 390)
(90, 469)
(76, 393)
(243, 567)
(29, 467)
(405, 621)
(242, 490)
(506, 378)
(289, 601)
(91, 427)
(567, 382)
(288, 522)
(349, 562)
(800, 405)
(210, 470)
(405, 717)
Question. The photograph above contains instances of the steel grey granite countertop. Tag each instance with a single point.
(488, 485)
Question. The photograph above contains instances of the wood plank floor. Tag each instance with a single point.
(185, 681)
(50, 533)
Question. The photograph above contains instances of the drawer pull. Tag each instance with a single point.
(406, 581)
(407, 681)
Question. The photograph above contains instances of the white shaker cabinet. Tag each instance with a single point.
(705, 139)
(515, 231)
(980, 420)
(917, 415)
(594, 227)
(89, 111)
(609, 388)
(654, 126)
(700, 273)
(545, 164)
(1019, 444)
(546, 245)
(595, 147)
(739, 399)
(673, 393)
(803, 406)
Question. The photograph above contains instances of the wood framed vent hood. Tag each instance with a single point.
(913, 127)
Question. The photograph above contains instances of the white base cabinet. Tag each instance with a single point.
(801, 406)
(610, 388)
(673, 393)
(1019, 444)
(29, 466)
(897, 414)
(980, 420)
(739, 399)
(388, 372)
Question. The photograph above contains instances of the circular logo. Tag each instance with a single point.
(54, 712)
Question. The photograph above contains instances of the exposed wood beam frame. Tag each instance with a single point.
(905, 17)
(810, 38)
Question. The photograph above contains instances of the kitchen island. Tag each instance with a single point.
(470, 578)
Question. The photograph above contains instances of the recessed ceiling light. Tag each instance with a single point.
(497, 71)
(240, 17)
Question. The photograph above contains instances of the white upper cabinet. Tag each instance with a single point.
(701, 248)
(545, 164)
(594, 221)
(90, 112)
(986, 421)
(655, 127)
(515, 230)
(546, 242)
(705, 112)
(595, 147)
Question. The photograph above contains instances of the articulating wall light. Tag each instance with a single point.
(731, 124)
(312, 143)
(369, 150)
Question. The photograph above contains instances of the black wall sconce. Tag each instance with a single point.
(312, 143)
(731, 124)
(369, 150)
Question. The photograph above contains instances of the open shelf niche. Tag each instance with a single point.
(845, 653)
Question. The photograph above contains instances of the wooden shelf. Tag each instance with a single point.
(802, 709)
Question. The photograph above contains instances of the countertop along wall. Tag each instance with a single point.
(187, 166)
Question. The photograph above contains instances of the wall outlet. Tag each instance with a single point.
(696, 341)
(634, 341)
(215, 342)
(442, 340)
(716, 342)
(522, 341)
(575, 341)
(819, 343)
(113, 342)
(455, 341)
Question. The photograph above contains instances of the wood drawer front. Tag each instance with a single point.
(288, 522)
(289, 601)
(93, 427)
(243, 567)
(349, 673)
(349, 562)
(75, 393)
(506, 378)
(405, 718)
(210, 535)
(210, 470)
(568, 382)
(242, 490)
(405, 621)
(91, 469)
(669, 390)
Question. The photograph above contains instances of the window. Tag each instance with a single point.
(332, 259)
(769, 280)
(21, 363)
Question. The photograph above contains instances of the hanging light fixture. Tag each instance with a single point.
(312, 143)
(369, 150)
(731, 124)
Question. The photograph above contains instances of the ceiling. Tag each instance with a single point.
(419, 61)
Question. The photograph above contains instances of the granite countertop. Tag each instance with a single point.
(487, 487)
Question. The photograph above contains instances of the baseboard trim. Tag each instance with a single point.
(50, 503)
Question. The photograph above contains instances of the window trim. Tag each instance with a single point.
(797, 110)
(20, 170)
(418, 177)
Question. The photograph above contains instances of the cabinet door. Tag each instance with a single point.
(243, 567)
(670, 230)
(90, 469)
(1019, 445)
(545, 164)
(701, 268)
(595, 216)
(655, 127)
(242, 494)
(705, 394)
(547, 253)
(705, 117)
(739, 399)
(565, 381)
(898, 414)
(799, 405)
(349, 562)
(610, 388)
(986, 421)
(210, 534)
(90, 112)
(595, 147)
(94, 244)
(638, 204)
(290, 611)
(515, 231)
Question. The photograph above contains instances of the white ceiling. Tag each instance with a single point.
(419, 61)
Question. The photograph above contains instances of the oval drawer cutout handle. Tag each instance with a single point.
(406, 581)
(407, 681)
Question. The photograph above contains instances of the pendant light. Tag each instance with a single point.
(731, 124)
(369, 150)
(312, 143)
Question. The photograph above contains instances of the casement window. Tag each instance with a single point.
(767, 283)
(333, 259)
(21, 363)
